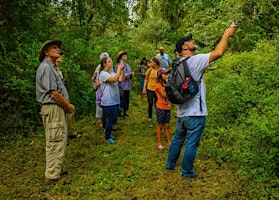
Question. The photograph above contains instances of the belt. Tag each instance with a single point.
(48, 104)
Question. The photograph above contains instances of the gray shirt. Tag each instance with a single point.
(197, 65)
(47, 79)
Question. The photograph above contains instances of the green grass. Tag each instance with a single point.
(131, 169)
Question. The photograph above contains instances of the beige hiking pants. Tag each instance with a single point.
(54, 122)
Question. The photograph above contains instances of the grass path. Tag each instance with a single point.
(131, 169)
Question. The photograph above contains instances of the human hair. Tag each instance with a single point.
(102, 63)
(144, 58)
(156, 60)
(160, 79)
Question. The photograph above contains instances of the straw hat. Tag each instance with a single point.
(120, 54)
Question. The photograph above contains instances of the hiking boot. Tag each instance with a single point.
(49, 181)
(75, 135)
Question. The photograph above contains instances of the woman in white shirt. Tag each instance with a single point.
(110, 100)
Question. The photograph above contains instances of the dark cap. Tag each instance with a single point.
(46, 45)
(181, 41)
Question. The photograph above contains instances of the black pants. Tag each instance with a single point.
(124, 100)
(152, 99)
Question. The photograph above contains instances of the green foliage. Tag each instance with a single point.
(248, 112)
(242, 92)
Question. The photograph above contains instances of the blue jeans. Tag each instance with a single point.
(189, 128)
(111, 113)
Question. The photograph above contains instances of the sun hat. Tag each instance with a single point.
(120, 54)
(46, 45)
(104, 55)
(162, 71)
(181, 41)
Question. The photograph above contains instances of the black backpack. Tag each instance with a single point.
(181, 87)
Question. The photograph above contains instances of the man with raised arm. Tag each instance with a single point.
(191, 115)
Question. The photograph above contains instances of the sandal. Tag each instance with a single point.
(159, 146)
(100, 124)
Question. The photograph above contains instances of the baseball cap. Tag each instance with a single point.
(104, 55)
(162, 71)
(181, 41)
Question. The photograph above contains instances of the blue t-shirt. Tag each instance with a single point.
(111, 94)
(164, 60)
(197, 65)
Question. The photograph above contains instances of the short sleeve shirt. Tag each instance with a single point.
(111, 94)
(151, 74)
(126, 84)
(164, 60)
(197, 106)
(162, 103)
(48, 79)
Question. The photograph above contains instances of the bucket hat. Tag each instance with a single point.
(120, 54)
(46, 45)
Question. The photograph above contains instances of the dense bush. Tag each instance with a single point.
(243, 115)
(79, 62)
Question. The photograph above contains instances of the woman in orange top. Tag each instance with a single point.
(163, 107)
(149, 86)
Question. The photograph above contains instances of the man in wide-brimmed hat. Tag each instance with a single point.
(124, 86)
(53, 96)
(192, 115)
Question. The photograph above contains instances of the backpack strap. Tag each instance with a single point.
(187, 73)
(186, 67)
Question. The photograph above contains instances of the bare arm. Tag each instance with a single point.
(119, 76)
(222, 45)
(61, 101)
(146, 80)
(162, 92)
(122, 76)
(144, 85)
(139, 72)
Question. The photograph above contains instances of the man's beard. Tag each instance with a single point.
(194, 48)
